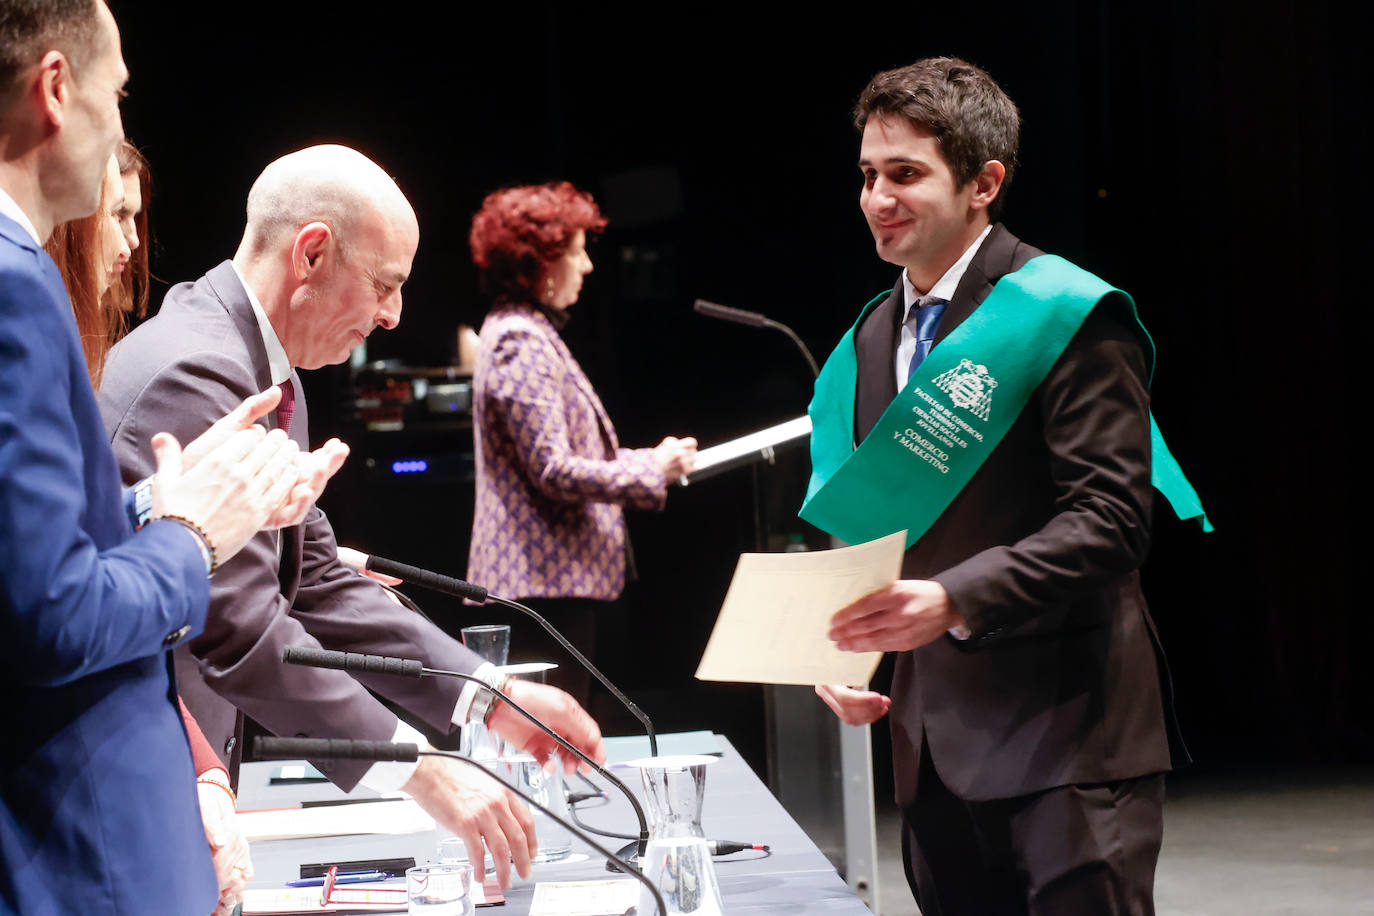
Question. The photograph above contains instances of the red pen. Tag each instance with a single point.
(328, 885)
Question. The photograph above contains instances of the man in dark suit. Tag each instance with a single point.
(98, 806)
(1028, 720)
(328, 244)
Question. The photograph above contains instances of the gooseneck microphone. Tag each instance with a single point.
(726, 313)
(333, 748)
(755, 320)
(414, 668)
(450, 586)
(326, 748)
(431, 580)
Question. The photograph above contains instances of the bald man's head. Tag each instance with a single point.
(331, 184)
(329, 242)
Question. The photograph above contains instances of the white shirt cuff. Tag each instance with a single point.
(389, 775)
(488, 673)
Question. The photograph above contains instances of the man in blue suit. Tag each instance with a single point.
(97, 800)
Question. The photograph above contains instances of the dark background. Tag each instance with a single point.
(1211, 160)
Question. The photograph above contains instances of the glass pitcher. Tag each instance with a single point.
(678, 858)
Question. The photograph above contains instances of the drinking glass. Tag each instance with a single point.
(440, 890)
(529, 778)
(492, 642)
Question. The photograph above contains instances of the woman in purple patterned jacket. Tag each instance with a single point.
(551, 476)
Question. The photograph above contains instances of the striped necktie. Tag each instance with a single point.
(287, 406)
(926, 315)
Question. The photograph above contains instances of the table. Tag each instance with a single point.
(794, 879)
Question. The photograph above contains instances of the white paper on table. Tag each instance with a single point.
(611, 897)
(272, 900)
(346, 897)
(388, 817)
(772, 628)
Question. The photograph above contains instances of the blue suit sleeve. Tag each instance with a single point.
(79, 592)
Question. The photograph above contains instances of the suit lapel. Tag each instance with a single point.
(875, 346)
(228, 289)
(991, 262)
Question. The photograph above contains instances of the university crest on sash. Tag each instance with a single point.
(969, 386)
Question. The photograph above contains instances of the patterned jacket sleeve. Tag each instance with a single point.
(529, 388)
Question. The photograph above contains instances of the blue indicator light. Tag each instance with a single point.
(410, 466)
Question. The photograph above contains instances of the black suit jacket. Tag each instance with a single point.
(197, 359)
(1061, 682)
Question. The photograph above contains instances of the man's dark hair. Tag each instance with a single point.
(31, 28)
(972, 119)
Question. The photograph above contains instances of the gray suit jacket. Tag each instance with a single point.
(179, 372)
(1062, 681)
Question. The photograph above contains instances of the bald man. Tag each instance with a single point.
(327, 247)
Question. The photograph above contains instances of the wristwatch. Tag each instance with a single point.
(484, 704)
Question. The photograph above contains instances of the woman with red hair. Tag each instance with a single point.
(552, 479)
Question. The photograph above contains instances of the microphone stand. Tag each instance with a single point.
(296, 748)
(413, 668)
(755, 320)
(458, 588)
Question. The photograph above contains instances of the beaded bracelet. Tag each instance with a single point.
(207, 547)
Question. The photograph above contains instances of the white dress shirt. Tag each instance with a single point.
(16, 213)
(943, 289)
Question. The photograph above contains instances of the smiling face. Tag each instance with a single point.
(560, 282)
(361, 289)
(920, 218)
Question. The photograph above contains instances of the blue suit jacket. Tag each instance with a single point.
(98, 809)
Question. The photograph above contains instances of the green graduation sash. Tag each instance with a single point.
(956, 407)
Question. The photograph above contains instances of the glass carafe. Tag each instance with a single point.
(529, 778)
(678, 858)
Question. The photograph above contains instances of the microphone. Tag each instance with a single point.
(409, 667)
(755, 320)
(726, 313)
(451, 586)
(342, 748)
(430, 580)
(325, 748)
(353, 661)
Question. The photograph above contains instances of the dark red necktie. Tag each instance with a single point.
(287, 406)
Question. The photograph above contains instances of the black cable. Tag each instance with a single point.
(572, 812)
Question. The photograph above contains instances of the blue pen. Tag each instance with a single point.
(356, 877)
